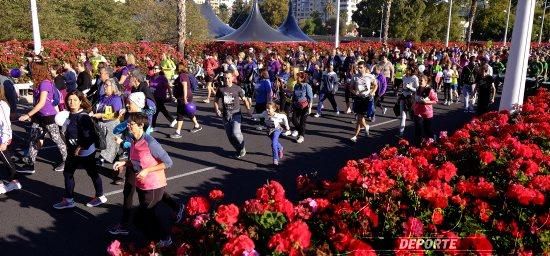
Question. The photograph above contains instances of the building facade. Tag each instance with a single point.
(303, 9)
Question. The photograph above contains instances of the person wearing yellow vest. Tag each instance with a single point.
(168, 66)
(96, 59)
(400, 68)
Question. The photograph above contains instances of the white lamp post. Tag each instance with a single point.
(507, 21)
(35, 28)
(542, 22)
(449, 23)
(518, 60)
(337, 36)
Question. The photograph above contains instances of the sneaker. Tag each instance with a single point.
(29, 169)
(118, 181)
(179, 215)
(165, 243)
(337, 113)
(173, 123)
(206, 101)
(196, 129)
(65, 203)
(445, 103)
(275, 162)
(294, 133)
(242, 153)
(367, 130)
(353, 139)
(13, 185)
(300, 139)
(3, 189)
(175, 136)
(118, 229)
(348, 111)
(317, 115)
(353, 121)
(384, 112)
(60, 167)
(259, 128)
(97, 201)
(281, 154)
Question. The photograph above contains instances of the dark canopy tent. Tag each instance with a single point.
(256, 29)
(290, 27)
(216, 27)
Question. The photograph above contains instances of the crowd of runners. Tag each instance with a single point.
(103, 112)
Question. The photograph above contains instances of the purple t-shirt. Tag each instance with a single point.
(48, 109)
(159, 86)
(114, 101)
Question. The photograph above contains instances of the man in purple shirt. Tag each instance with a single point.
(273, 67)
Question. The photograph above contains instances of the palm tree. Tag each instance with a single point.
(471, 18)
(387, 20)
(329, 9)
(182, 26)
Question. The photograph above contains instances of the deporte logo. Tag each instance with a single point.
(428, 243)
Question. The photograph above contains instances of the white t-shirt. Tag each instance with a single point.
(447, 75)
(363, 84)
(410, 83)
(278, 120)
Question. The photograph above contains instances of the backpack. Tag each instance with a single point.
(470, 76)
(194, 83)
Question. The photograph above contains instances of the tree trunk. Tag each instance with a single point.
(387, 20)
(182, 26)
(471, 18)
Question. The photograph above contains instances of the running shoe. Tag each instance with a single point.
(294, 133)
(176, 136)
(118, 229)
(300, 139)
(242, 153)
(275, 162)
(196, 129)
(60, 167)
(64, 204)
(353, 139)
(317, 115)
(27, 169)
(3, 189)
(13, 185)
(173, 123)
(97, 201)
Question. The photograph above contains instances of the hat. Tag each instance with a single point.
(138, 98)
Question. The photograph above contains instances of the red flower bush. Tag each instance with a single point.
(484, 187)
(216, 195)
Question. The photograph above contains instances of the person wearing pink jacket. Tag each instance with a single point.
(425, 98)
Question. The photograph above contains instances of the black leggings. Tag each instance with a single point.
(128, 194)
(447, 91)
(299, 118)
(422, 129)
(161, 108)
(89, 164)
(148, 218)
(5, 157)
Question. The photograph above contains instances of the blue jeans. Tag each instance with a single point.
(275, 144)
(233, 130)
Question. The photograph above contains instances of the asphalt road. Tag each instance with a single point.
(29, 225)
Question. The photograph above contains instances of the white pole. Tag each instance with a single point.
(449, 24)
(542, 23)
(381, 21)
(516, 68)
(507, 21)
(35, 28)
(337, 36)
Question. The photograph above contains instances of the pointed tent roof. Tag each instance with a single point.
(290, 27)
(256, 29)
(216, 27)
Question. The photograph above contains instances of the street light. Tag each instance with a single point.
(507, 21)
(449, 23)
(381, 21)
(542, 23)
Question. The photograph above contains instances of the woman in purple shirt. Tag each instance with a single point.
(107, 112)
(160, 87)
(43, 117)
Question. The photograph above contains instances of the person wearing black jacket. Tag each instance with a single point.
(84, 78)
(80, 136)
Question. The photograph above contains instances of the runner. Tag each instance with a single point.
(302, 101)
(231, 97)
(275, 122)
(329, 87)
(405, 99)
(425, 98)
(364, 88)
(81, 137)
(184, 96)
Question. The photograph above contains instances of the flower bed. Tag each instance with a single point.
(482, 190)
(12, 52)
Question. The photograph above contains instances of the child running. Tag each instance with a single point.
(274, 122)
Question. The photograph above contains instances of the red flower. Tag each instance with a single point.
(525, 196)
(227, 215)
(437, 216)
(183, 250)
(295, 237)
(348, 174)
(271, 192)
(239, 246)
(413, 227)
(478, 243)
(341, 241)
(447, 171)
(254, 206)
(197, 205)
(216, 195)
(487, 157)
(541, 182)
(483, 209)
(360, 248)
(114, 249)
(286, 207)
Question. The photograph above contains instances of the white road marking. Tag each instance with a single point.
(170, 178)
